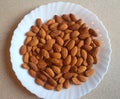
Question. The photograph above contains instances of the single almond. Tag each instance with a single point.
(30, 34)
(65, 69)
(96, 42)
(49, 44)
(25, 66)
(42, 76)
(73, 69)
(39, 82)
(55, 61)
(57, 47)
(88, 41)
(82, 69)
(74, 27)
(32, 72)
(76, 81)
(82, 78)
(73, 51)
(58, 76)
(59, 87)
(48, 37)
(48, 86)
(63, 26)
(73, 17)
(45, 27)
(39, 23)
(66, 84)
(90, 59)
(33, 66)
(53, 26)
(66, 37)
(67, 60)
(50, 72)
(45, 53)
(64, 53)
(84, 54)
(56, 55)
(34, 42)
(58, 19)
(66, 17)
(51, 21)
(68, 31)
(71, 44)
(87, 47)
(33, 59)
(61, 80)
(80, 44)
(55, 33)
(23, 50)
(74, 34)
(68, 75)
(51, 81)
(59, 40)
(42, 33)
(27, 40)
(41, 64)
(93, 32)
(26, 57)
(56, 69)
(35, 29)
(94, 51)
(89, 72)
(73, 61)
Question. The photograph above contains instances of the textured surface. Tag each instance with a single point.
(12, 12)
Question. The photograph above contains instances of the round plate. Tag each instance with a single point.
(46, 12)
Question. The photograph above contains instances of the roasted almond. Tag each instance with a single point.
(61, 80)
(55, 33)
(32, 72)
(39, 23)
(45, 53)
(89, 72)
(66, 17)
(58, 19)
(66, 37)
(93, 32)
(42, 76)
(45, 27)
(81, 69)
(65, 69)
(63, 26)
(73, 61)
(74, 27)
(51, 21)
(42, 64)
(34, 42)
(27, 40)
(57, 47)
(88, 41)
(73, 17)
(82, 78)
(49, 44)
(80, 44)
(56, 69)
(30, 34)
(39, 82)
(23, 50)
(51, 81)
(90, 59)
(33, 66)
(53, 26)
(76, 81)
(68, 75)
(94, 51)
(66, 84)
(73, 51)
(50, 72)
(96, 42)
(71, 44)
(59, 41)
(74, 34)
(48, 86)
(56, 55)
(67, 60)
(64, 53)
(35, 29)
(25, 66)
(59, 87)
(42, 33)
(84, 54)
(26, 57)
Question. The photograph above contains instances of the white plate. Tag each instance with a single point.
(46, 12)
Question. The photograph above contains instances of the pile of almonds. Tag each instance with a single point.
(60, 51)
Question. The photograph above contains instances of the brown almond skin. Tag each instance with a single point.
(48, 86)
(82, 69)
(65, 69)
(61, 80)
(95, 60)
(39, 23)
(51, 21)
(67, 60)
(33, 59)
(66, 17)
(74, 34)
(32, 72)
(80, 44)
(58, 76)
(27, 40)
(96, 42)
(57, 47)
(58, 19)
(33, 66)
(26, 57)
(70, 45)
(41, 64)
(45, 53)
(74, 27)
(45, 27)
(63, 26)
(23, 50)
(53, 26)
(73, 17)
(34, 42)
(42, 33)
(73, 69)
(73, 51)
(55, 61)
(78, 52)
(55, 33)
(42, 76)
(84, 54)
(90, 59)
(35, 29)
(68, 75)
(66, 37)
(30, 34)
(56, 69)
(39, 82)
(59, 87)
(56, 55)
(76, 81)
(50, 72)
(94, 51)
(52, 82)
(49, 44)
(59, 40)
(93, 32)
(73, 61)
(66, 84)
(82, 78)
(25, 66)
(89, 72)
(87, 48)
(79, 21)
(88, 41)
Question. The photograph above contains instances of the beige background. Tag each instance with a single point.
(12, 11)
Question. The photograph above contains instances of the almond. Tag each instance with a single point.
(88, 41)
(45, 53)
(96, 42)
(48, 86)
(56, 55)
(30, 34)
(62, 35)
(66, 37)
(93, 32)
(45, 27)
(42, 33)
(39, 23)
(66, 17)
(57, 48)
(73, 17)
(48, 37)
(32, 72)
(68, 75)
(56, 69)
(55, 33)
(61, 80)
(63, 26)
(50, 72)
(90, 59)
(35, 29)
(29, 48)
(42, 76)
(42, 64)
(76, 81)
(66, 84)
(34, 42)
(58, 19)
(71, 44)
(70, 23)
(74, 27)
(67, 60)
(78, 52)
(53, 26)
(74, 34)
(55, 61)
(58, 76)
(33, 66)
(87, 47)
(73, 61)
(73, 69)
(51, 21)
(23, 50)
(84, 33)
(80, 44)
(65, 69)
(59, 40)
(89, 72)
(81, 69)
(49, 44)
(73, 51)
(25, 66)
(79, 21)
(84, 54)
(27, 40)
(82, 78)
(95, 60)
(33, 59)
(51, 81)
(59, 87)
(26, 57)
(68, 31)
(39, 82)
(94, 51)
